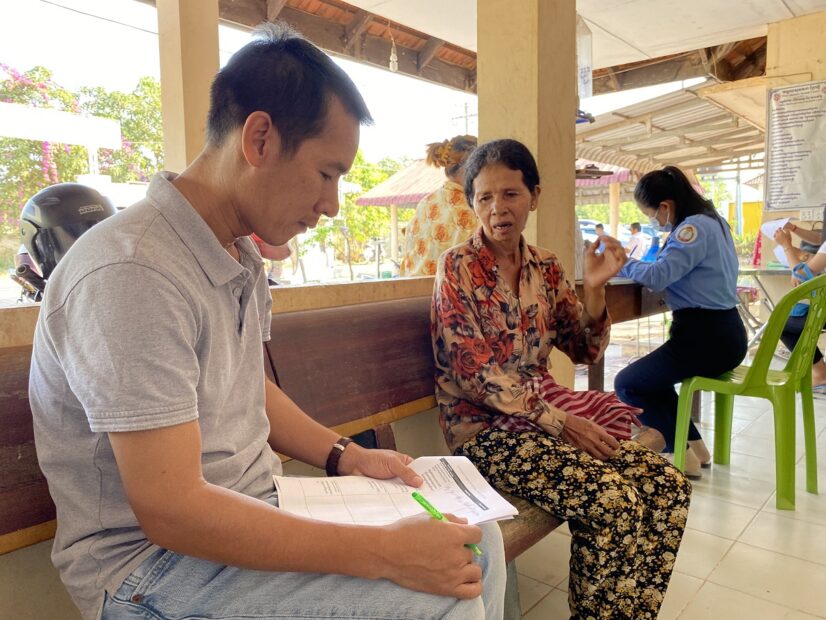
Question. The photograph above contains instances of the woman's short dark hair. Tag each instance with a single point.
(671, 183)
(510, 153)
(286, 76)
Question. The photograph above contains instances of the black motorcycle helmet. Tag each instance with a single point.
(55, 217)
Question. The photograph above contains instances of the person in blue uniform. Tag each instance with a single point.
(697, 268)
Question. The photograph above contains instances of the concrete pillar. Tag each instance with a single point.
(188, 41)
(613, 208)
(394, 232)
(526, 70)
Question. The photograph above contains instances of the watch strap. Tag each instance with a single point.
(335, 454)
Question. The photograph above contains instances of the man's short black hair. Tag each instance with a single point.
(600, 226)
(286, 76)
(636, 226)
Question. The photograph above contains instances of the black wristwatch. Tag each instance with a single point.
(335, 454)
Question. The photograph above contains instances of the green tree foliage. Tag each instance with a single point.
(717, 191)
(628, 212)
(139, 113)
(27, 166)
(354, 226)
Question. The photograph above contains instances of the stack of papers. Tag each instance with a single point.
(451, 483)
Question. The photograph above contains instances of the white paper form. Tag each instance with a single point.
(772, 226)
(780, 255)
(451, 483)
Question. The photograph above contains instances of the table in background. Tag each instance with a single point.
(627, 300)
(748, 318)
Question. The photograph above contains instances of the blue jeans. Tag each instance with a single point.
(702, 342)
(169, 586)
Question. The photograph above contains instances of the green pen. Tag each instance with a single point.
(431, 509)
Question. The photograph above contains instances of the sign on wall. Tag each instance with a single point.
(796, 147)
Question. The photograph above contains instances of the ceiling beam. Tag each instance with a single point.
(331, 36)
(697, 63)
(274, 9)
(322, 15)
(648, 73)
(428, 52)
(360, 22)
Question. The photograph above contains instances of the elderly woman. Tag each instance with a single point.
(443, 218)
(499, 306)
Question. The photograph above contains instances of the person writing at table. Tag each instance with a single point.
(499, 307)
(794, 324)
(697, 268)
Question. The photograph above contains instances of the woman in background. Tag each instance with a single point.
(443, 218)
(697, 268)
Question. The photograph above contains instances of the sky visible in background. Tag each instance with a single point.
(112, 43)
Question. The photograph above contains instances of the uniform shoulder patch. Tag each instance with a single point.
(687, 234)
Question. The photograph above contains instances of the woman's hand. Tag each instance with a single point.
(599, 268)
(590, 437)
(783, 238)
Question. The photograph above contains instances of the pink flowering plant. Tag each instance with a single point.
(27, 166)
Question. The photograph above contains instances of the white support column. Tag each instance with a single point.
(394, 232)
(188, 41)
(613, 206)
(527, 90)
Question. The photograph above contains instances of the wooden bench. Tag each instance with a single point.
(360, 368)
(356, 368)
(26, 510)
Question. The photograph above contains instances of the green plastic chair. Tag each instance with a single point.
(778, 386)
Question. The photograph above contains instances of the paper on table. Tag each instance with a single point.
(451, 483)
(780, 255)
(770, 227)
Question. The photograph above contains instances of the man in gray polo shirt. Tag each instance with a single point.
(154, 423)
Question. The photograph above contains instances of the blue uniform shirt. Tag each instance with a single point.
(697, 267)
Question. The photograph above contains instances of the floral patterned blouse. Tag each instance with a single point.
(441, 221)
(491, 348)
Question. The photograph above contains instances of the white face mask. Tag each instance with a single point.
(655, 224)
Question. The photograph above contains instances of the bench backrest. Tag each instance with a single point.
(356, 367)
(24, 496)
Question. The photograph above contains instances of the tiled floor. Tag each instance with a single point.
(740, 557)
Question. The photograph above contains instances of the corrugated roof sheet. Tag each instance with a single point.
(678, 128)
(407, 187)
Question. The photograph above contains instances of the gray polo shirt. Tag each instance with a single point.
(148, 322)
